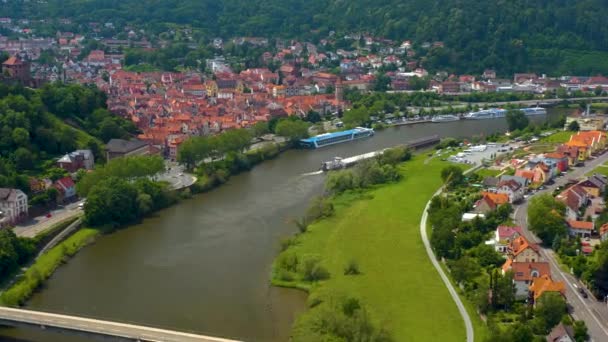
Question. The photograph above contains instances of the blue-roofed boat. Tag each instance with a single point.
(336, 137)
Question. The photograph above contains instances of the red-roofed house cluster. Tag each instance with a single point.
(169, 107)
(531, 272)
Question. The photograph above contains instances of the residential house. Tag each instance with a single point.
(520, 250)
(489, 74)
(79, 159)
(523, 181)
(526, 174)
(524, 274)
(544, 284)
(13, 206)
(490, 182)
(571, 152)
(559, 159)
(66, 188)
(449, 87)
(604, 232)
(39, 185)
(121, 148)
(543, 172)
(504, 236)
(588, 142)
(580, 228)
(512, 189)
(594, 185)
(574, 198)
(561, 333)
(16, 69)
(489, 202)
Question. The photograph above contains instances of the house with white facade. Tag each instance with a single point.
(511, 188)
(13, 206)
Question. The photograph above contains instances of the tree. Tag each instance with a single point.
(294, 130)
(546, 218)
(24, 159)
(574, 126)
(127, 168)
(503, 290)
(21, 137)
(517, 120)
(452, 176)
(111, 201)
(313, 116)
(550, 308)
(580, 331)
(464, 269)
(260, 128)
(382, 82)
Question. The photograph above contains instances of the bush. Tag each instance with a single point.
(313, 271)
(286, 243)
(352, 268)
(319, 208)
(288, 261)
(302, 224)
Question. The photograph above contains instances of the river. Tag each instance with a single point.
(203, 265)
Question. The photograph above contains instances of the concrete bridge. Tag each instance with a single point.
(97, 328)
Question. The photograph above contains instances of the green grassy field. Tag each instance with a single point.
(558, 137)
(398, 284)
(487, 172)
(602, 169)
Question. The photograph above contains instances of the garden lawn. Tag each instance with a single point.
(601, 169)
(398, 284)
(484, 172)
(558, 137)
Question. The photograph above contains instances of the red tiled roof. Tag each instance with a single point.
(12, 61)
(523, 270)
(580, 225)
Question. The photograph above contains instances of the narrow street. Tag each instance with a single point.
(590, 310)
(39, 224)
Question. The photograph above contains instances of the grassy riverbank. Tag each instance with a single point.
(44, 267)
(380, 233)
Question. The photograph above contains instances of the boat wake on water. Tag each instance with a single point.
(312, 173)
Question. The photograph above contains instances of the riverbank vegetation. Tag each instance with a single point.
(45, 265)
(214, 159)
(123, 191)
(371, 250)
(14, 252)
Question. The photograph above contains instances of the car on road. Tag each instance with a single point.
(582, 292)
(49, 215)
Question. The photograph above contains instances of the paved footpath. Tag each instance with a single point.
(427, 245)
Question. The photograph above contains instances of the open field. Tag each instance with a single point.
(398, 285)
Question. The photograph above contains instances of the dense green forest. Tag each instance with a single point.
(556, 36)
(38, 126)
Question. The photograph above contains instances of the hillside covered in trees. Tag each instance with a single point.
(556, 36)
(38, 126)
